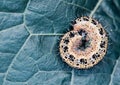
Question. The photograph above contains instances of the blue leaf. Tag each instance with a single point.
(30, 32)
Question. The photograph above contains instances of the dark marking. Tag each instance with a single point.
(95, 56)
(62, 46)
(66, 57)
(85, 19)
(102, 44)
(93, 62)
(71, 57)
(65, 49)
(84, 43)
(100, 50)
(70, 27)
(73, 22)
(66, 41)
(71, 34)
(98, 55)
(83, 61)
(101, 31)
(94, 22)
(81, 31)
(103, 50)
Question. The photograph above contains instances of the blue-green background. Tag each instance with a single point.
(30, 56)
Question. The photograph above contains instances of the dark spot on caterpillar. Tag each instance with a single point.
(102, 44)
(77, 64)
(85, 19)
(71, 34)
(98, 55)
(93, 62)
(83, 61)
(66, 41)
(94, 22)
(70, 27)
(66, 57)
(73, 22)
(84, 43)
(65, 49)
(101, 31)
(100, 50)
(71, 57)
(103, 50)
(95, 56)
(81, 31)
(62, 46)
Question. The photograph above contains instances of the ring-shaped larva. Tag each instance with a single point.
(85, 45)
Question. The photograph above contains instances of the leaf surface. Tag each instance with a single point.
(29, 42)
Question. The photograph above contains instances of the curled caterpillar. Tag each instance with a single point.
(85, 45)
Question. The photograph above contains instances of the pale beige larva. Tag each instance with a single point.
(85, 45)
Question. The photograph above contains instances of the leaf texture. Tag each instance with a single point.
(30, 31)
